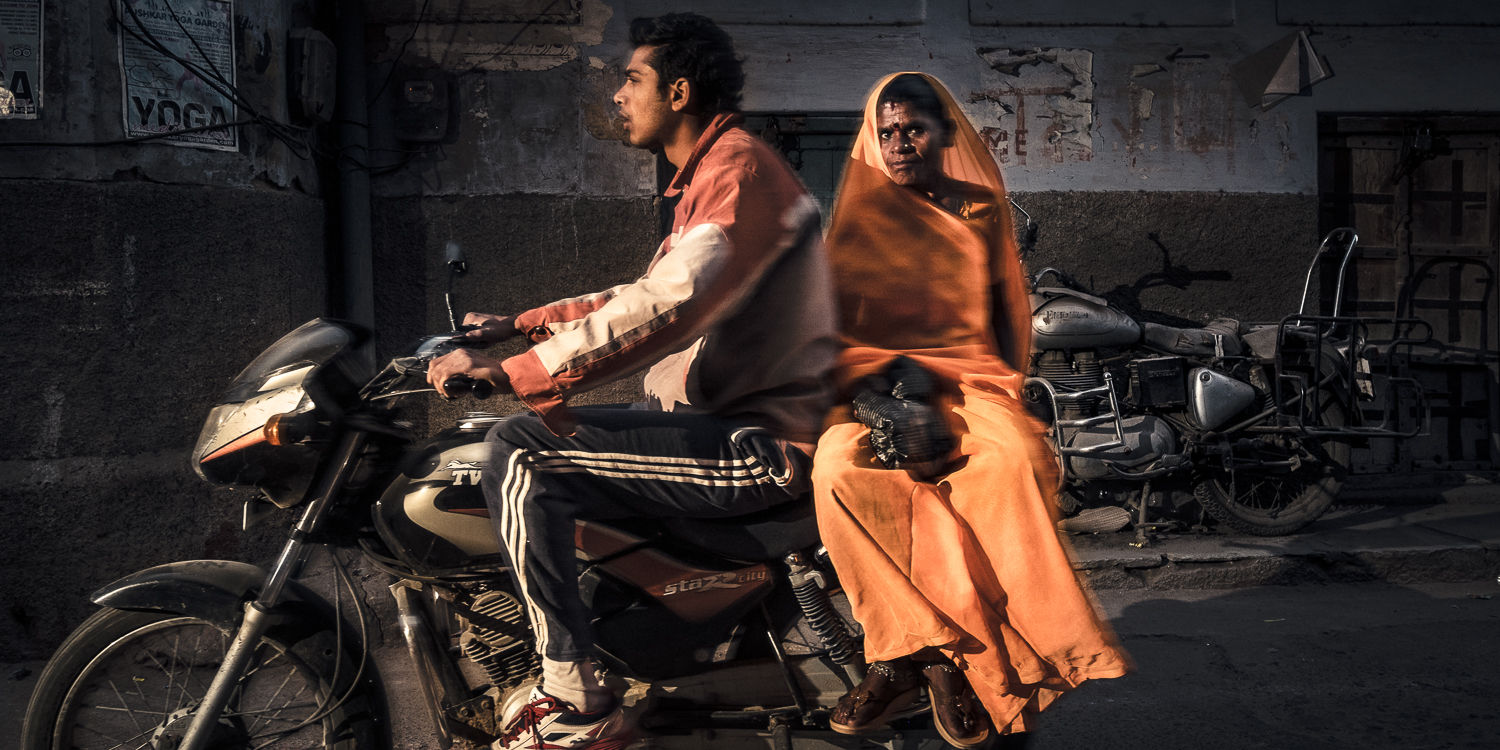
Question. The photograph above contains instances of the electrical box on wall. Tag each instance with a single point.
(311, 75)
(422, 106)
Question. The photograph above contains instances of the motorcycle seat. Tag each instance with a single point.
(762, 536)
(1220, 337)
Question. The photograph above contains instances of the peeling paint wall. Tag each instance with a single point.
(1088, 97)
(1084, 96)
(1045, 101)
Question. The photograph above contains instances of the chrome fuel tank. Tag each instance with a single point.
(433, 516)
(1067, 319)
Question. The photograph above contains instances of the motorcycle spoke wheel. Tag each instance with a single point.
(1269, 502)
(131, 680)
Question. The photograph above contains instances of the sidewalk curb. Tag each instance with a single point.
(1440, 565)
(1445, 542)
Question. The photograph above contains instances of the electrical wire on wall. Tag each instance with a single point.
(298, 140)
(294, 137)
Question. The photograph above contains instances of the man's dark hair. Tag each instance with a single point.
(914, 90)
(693, 47)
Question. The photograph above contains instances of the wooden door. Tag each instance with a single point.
(1423, 194)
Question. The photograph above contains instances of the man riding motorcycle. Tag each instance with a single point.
(735, 319)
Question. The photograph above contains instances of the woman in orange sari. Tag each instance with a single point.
(959, 579)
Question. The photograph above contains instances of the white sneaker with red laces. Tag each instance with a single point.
(542, 722)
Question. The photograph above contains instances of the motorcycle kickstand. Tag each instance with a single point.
(1142, 539)
(799, 699)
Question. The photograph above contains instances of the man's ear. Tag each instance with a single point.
(680, 94)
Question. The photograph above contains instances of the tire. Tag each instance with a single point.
(1274, 502)
(130, 679)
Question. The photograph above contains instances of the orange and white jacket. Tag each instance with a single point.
(735, 316)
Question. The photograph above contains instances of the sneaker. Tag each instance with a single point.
(546, 723)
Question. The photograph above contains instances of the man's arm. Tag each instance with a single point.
(739, 223)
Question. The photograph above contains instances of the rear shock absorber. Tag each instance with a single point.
(808, 585)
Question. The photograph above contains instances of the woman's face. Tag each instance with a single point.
(911, 142)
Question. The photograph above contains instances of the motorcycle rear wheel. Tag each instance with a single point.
(1275, 502)
(131, 679)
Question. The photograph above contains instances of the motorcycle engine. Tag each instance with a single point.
(1072, 371)
(494, 638)
(1147, 438)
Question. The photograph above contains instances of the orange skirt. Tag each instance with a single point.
(970, 563)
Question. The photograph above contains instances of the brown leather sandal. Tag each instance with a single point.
(889, 687)
(959, 716)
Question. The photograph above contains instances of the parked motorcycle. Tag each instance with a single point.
(1249, 425)
(716, 624)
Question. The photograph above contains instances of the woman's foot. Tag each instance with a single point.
(888, 688)
(957, 712)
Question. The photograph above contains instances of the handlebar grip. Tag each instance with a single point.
(459, 385)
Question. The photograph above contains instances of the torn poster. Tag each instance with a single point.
(20, 59)
(177, 63)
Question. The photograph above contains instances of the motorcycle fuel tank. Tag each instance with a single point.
(1066, 319)
(433, 516)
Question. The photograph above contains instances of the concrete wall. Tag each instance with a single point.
(138, 279)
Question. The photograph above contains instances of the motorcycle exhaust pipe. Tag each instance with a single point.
(439, 682)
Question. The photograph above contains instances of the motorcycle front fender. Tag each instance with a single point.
(212, 590)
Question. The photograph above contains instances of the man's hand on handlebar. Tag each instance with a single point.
(485, 329)
(451, 370)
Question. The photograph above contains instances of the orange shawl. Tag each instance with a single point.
(896, 294)
(971, 561)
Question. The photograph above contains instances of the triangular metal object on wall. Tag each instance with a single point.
(1286, 68)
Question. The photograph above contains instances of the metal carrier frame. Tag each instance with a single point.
(1296, 395)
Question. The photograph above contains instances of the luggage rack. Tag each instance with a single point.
(1331, 356)
(1318, 356)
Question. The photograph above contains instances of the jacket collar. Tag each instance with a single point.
(721, 123)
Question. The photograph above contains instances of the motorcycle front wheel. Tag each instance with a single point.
(132, 680)
(1276, 501)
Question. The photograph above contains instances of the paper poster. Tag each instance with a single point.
(20, 59)
(177, 62)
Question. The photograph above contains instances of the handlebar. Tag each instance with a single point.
(462, 385)
(440, 344)
(1062, 278)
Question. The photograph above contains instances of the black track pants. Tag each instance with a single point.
(620, 463)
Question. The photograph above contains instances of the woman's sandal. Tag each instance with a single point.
(957, 712)
(889, 687)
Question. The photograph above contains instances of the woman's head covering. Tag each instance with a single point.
(967, 159)
(906, 267)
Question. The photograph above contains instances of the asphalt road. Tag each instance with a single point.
(1313, 666)
(1367, 665)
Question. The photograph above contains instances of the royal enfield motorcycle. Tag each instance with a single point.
(713, 625)
(1249, 425)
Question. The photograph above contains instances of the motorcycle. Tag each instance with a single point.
(715, 625)
(1249, 425)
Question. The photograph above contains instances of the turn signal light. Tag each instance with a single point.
(286, 429)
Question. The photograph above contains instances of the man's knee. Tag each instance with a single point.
(507, 440)
(516, 432)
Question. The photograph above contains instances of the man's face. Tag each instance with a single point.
(911, 142)
(644, 108)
